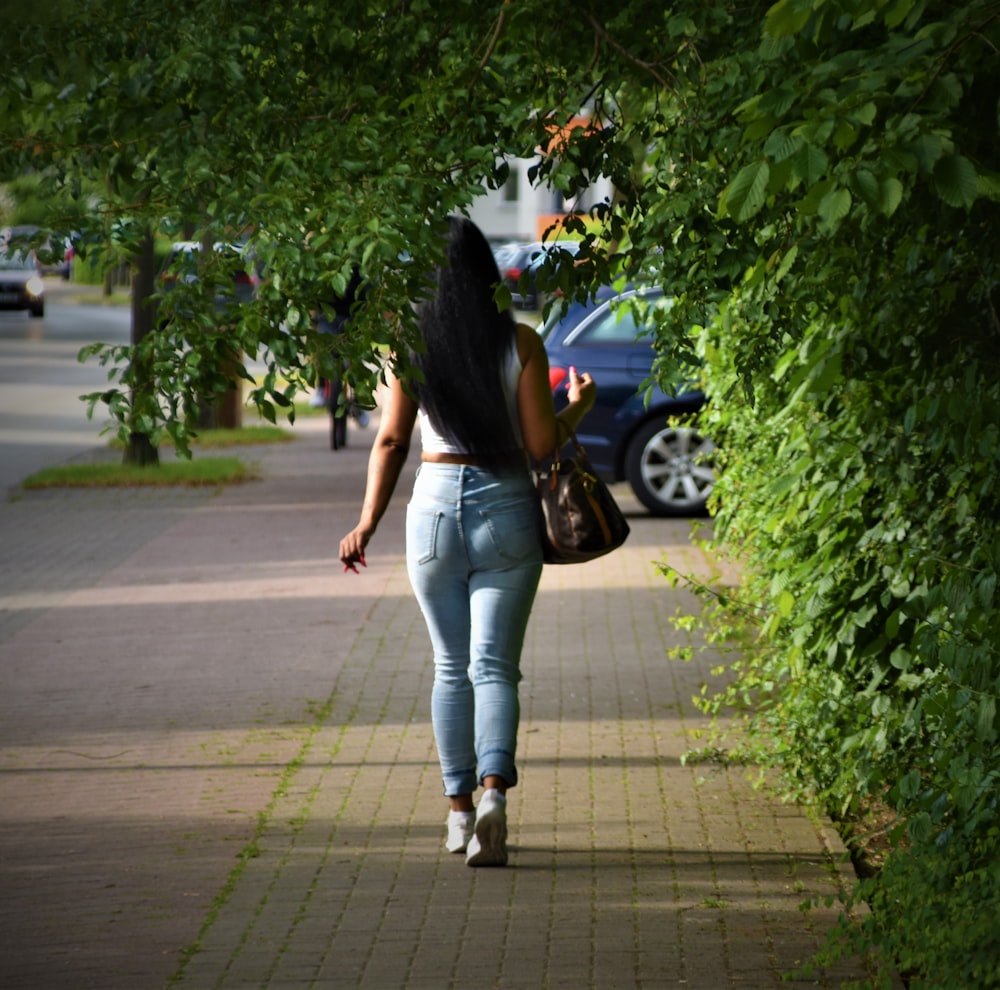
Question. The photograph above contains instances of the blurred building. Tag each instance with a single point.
(518, 211)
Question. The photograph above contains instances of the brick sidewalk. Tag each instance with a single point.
(217, 769)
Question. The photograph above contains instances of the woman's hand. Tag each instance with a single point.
(580, 388)
(352, 548)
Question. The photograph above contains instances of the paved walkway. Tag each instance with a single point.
(217, 769)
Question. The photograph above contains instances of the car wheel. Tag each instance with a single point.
(670, 469)
(38, 310)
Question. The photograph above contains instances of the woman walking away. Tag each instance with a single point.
(473, 547)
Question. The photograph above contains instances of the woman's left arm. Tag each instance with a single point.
(542, 430)
(388, 455)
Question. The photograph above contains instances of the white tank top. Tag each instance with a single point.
(434, 443)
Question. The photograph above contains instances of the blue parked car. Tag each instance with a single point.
(667, 463)
(519, 264)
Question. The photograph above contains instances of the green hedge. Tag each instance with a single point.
(861, 493)
(852, 365)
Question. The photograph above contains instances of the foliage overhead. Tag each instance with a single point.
(816, 184)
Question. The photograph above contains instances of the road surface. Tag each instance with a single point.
(42, 420)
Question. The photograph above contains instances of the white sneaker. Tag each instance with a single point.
(461, 828)
(488, 846)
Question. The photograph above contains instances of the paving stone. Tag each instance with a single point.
(217, 768)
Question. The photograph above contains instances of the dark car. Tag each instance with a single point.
(238, 278)
(517, 260)
(655, 446)
(21, 285)
(53, 252)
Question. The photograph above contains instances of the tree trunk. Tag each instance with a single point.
(223, 412)
(230, 405)
(140, 451)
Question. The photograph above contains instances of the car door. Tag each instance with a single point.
(617, 351)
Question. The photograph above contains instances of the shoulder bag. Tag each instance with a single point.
(582, 521)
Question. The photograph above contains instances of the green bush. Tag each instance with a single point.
(865, 514)
(87, 270)
(853, 372)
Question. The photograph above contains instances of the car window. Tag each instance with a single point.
(506, 254)
(575, 312)
(616, 326)
(553, 249)
(17, 261)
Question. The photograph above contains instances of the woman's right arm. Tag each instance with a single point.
(542, 430)
(388, 455)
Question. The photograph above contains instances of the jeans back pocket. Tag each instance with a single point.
(422, 533)
(514, 528)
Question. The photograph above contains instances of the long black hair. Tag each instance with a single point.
(466, 341)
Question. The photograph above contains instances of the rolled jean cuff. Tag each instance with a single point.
(498, 764)
(457, 785)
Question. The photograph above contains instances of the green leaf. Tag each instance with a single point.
(744, 196)
(835, 205)
(986, 589)
(900, 658)
(890, 195)
(787, 17)
(787, 260)
(830, 372)
(956, 180)
(864, 114)
(989, 186)
(897, 13)
(920, 827)
(777, 102)
(781, 145)
(503, 297)
(810, 164)
(929, 149)
(784, 484)
(986, 719)
(909, 785)
(866, 185)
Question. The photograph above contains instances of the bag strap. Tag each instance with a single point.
(576, 444)
(557, 457)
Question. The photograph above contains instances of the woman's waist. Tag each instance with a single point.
(451, 483)
(506, 461)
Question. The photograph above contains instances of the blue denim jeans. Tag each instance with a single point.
(474, 557)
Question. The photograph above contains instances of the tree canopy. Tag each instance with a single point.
(816, 184)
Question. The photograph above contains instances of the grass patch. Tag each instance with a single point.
(303, 410)
(245, 436)
(206, 471)
(210, 471)
(119, 297)
(215, 439)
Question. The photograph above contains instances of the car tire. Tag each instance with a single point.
(670, 469)
(37, 311)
